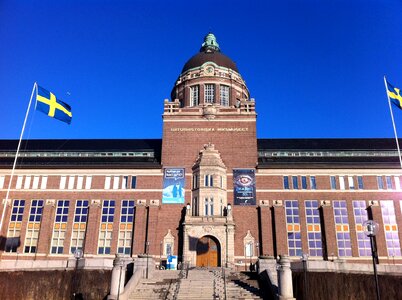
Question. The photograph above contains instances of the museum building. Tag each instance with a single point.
(209, 191)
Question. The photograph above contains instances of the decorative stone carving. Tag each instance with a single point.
(51, 202)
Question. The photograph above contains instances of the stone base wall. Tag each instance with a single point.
(335, 286)
(92, 284)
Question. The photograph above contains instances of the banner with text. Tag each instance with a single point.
(173, 185)
(244, 186)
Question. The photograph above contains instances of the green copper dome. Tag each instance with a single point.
(210, 43)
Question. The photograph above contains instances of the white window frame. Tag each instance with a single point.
(71, 181)
(224, 93)
(62, 184)
(194, 95)
(107, 182)
(88, 182)
(209, 93)
(35, 182)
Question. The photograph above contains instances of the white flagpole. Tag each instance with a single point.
(16, 157)
(393, 122)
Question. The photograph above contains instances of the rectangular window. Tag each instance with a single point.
(124, 183)
(27, 183)
(390, 228)
(88, 182)
(116, 180)
(397, 183)
(313, 228)
(18, 185)
(295, 183)
(388, 180)
(60, 227)
(32, 234)
(249, 249)
(2, 179)
(133, 182)
(313, 183)
(304, 182)
(224, 94)
(43, 183)
(209, 93)
(71, 181)
(206, 206)
(62, 185)
(360, 182)
(342, 228)
(14, 227)
(286, 182)
(107, 182)
(79, 225)
(380, 183)
(195, 206)
(35, 183)
(360, 215)
(351, 183)
(211, 206)
(333, 182)
(80, 182)
(126, 227)
(293, 228)
(341, 182)
(194, 95)
(208, 180)
(106, 227)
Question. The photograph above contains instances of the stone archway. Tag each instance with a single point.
(208, 252)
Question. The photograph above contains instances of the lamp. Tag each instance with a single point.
(371, 229)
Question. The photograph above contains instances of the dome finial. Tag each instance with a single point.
(210, 44)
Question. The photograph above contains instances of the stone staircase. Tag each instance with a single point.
(162, 285)
(197, 283)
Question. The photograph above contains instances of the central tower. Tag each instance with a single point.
(209, 130)
(210, 103)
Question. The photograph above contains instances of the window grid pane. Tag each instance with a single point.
(390, 228)
(14, 227)
(293, 228)
(209, 92)
(360, 215)
(342, 228)
(79, 225)
(126, 227)
(313, 228)
(224, 95)
(106, 227)
(194, 95)
(60, 227)
(33, 226)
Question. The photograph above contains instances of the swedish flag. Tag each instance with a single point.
(47, 103)
(394, 95)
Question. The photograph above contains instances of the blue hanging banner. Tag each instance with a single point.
(173, 185)
(244, 186)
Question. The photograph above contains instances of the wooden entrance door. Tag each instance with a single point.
(207, 252)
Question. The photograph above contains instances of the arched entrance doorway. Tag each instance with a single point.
(208, 252)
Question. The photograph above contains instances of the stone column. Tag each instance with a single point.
(140, 227)
(92, 231)
(46, 226)
(118, 277)
(285, 279)
(267, 244)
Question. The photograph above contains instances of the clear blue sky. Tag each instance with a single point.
(315, 68)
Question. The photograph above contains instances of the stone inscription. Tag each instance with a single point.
(204, 129)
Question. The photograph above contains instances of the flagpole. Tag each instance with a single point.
(15, 158)
(393, 122)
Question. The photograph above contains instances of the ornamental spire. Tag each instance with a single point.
(210, 44)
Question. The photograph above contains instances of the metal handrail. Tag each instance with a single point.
(224, 283)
